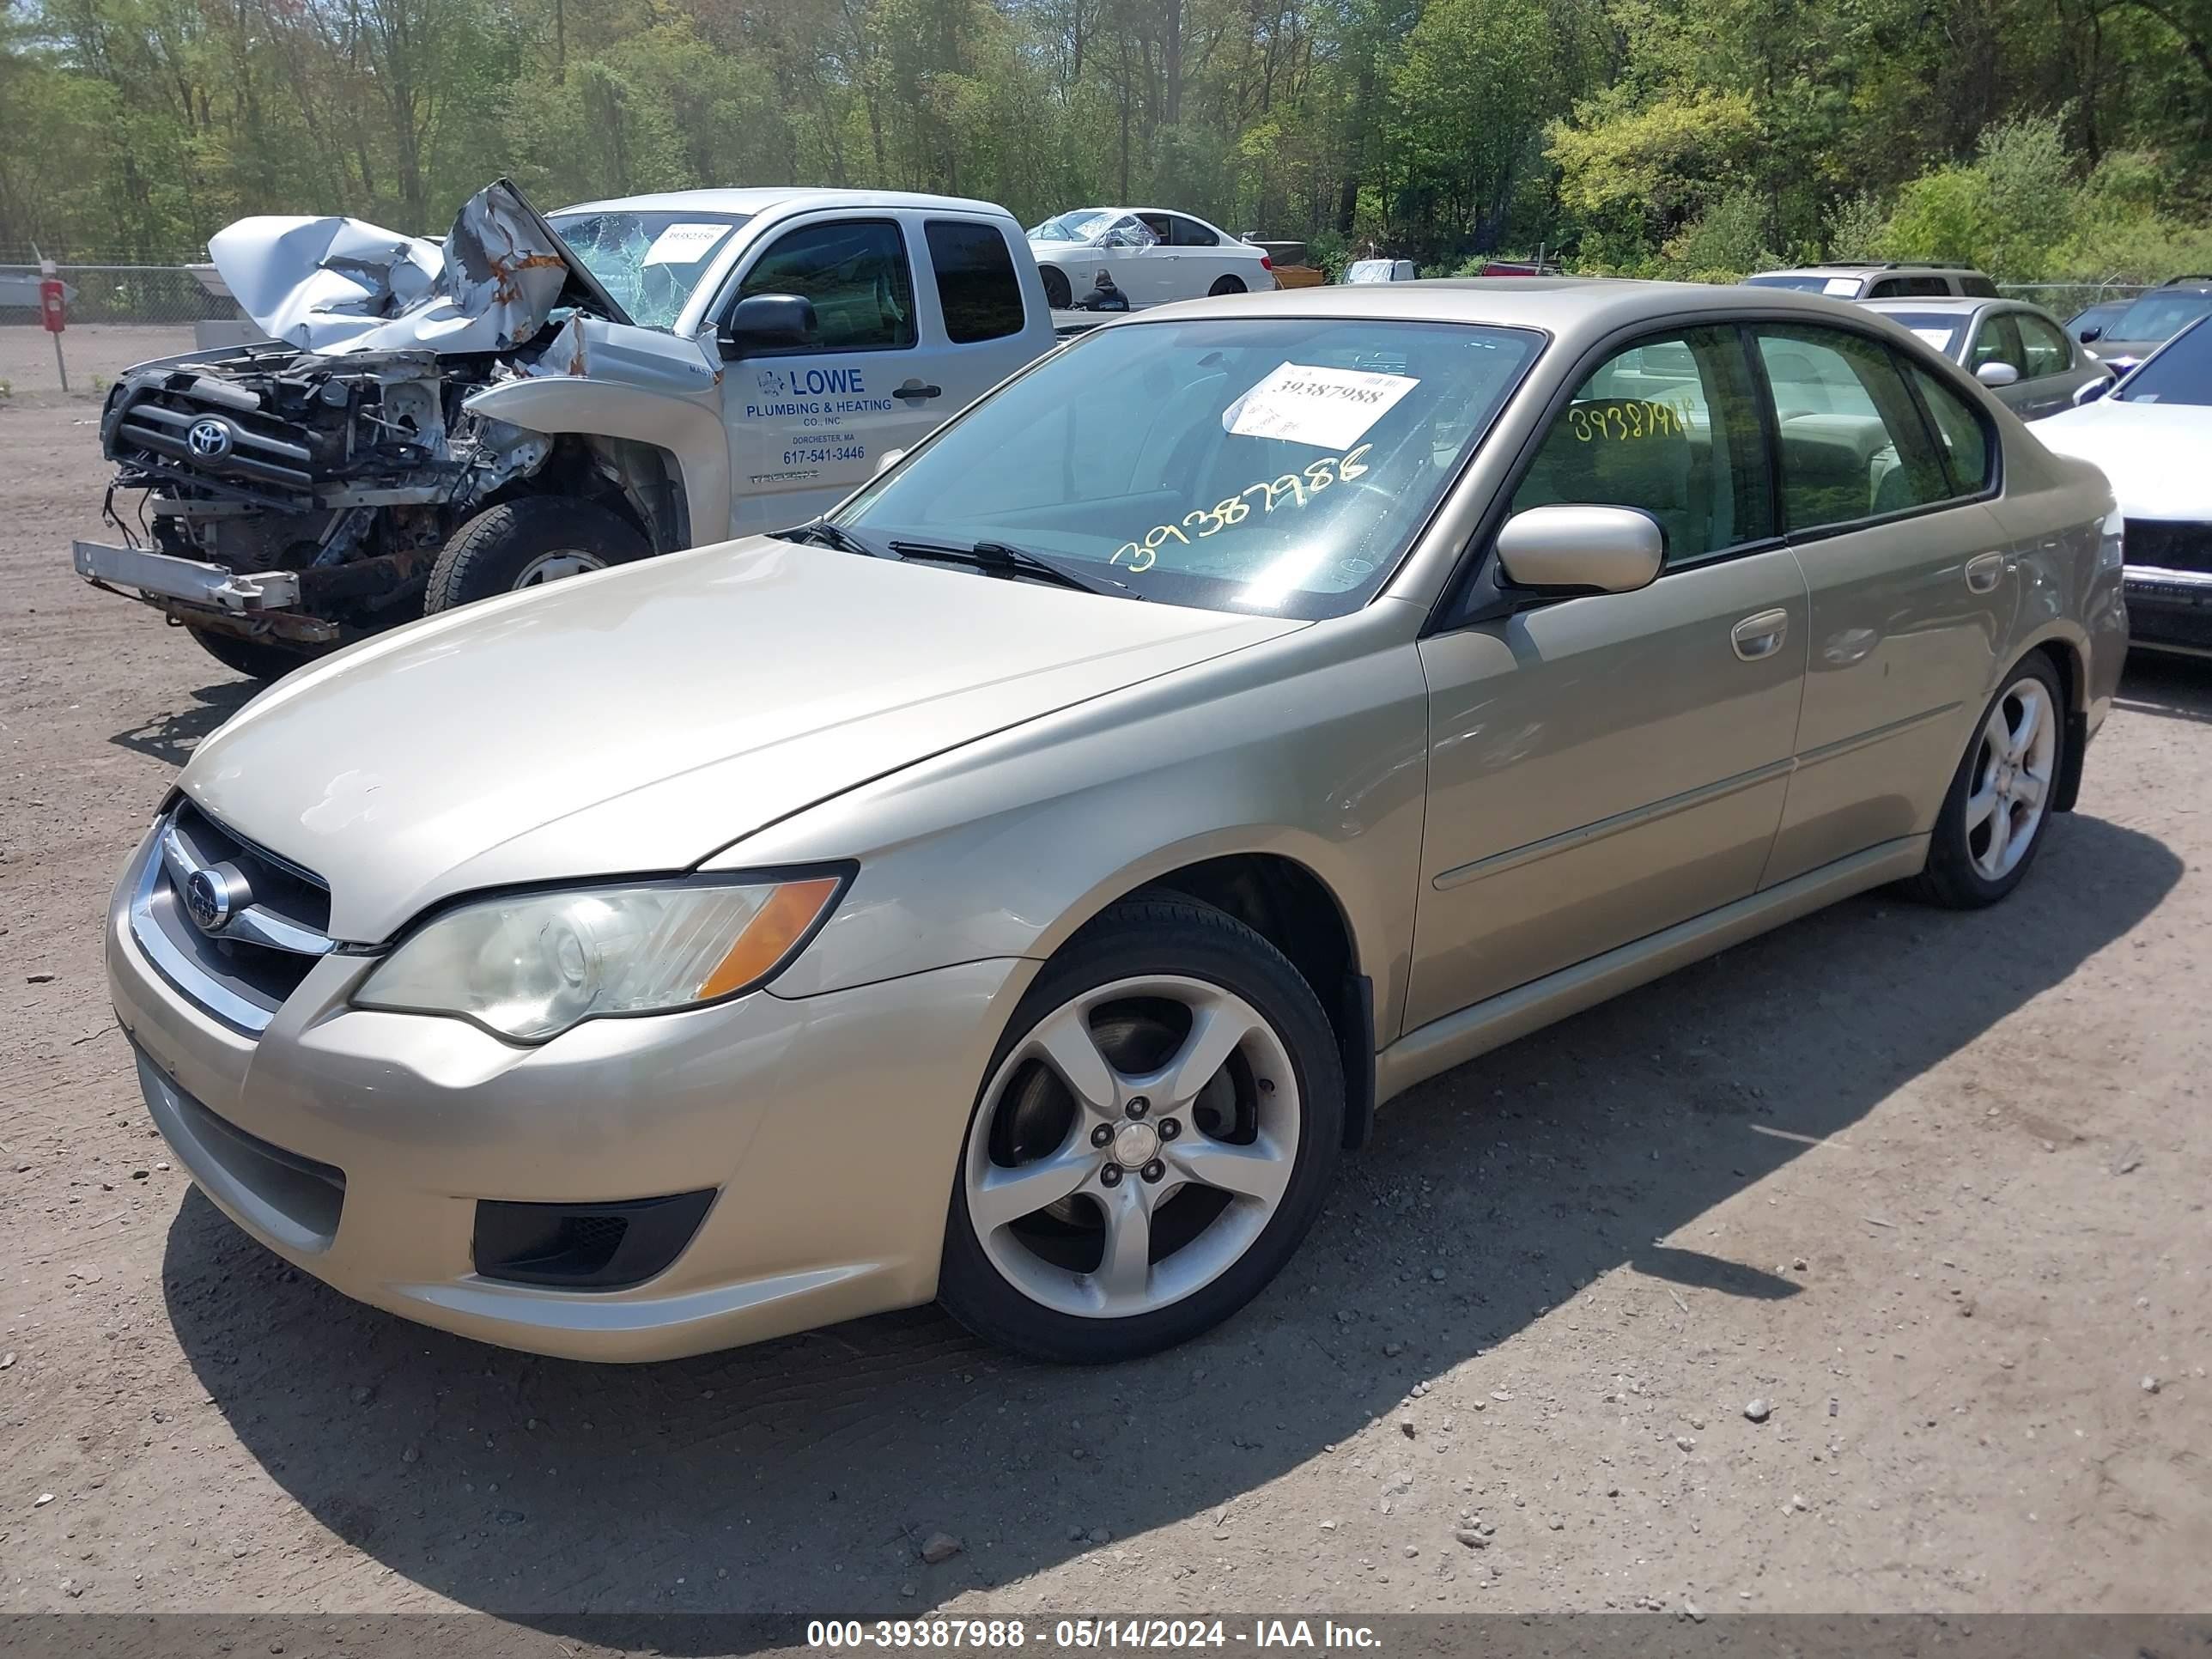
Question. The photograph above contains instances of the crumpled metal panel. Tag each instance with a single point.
(339, 286)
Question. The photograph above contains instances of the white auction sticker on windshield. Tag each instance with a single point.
(684, 245)
(1327, 408)
(1938, 337)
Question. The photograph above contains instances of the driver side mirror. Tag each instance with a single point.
(887, 460)
(1996, 375)
(2092, 332)
(768, 322)
(1608, 550)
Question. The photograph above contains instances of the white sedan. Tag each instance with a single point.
(1151, 255)
(2152, 435)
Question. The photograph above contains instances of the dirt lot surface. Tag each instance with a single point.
(1934, 1187)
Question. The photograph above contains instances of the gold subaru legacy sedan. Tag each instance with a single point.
(1020, 886)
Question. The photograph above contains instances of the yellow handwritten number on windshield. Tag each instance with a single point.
(1296, 487)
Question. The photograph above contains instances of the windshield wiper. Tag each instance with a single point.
(1000, 559)
(822, 532)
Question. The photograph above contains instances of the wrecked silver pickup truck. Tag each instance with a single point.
(434, 423)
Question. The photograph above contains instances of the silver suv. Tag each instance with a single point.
(1883, 281)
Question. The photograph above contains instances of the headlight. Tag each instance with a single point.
(2112, 545)
(530, 965)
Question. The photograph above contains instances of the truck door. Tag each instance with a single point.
(808, 423)
(973, 301)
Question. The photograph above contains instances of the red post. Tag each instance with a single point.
(53, 314)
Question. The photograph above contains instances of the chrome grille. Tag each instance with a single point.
(233, 927)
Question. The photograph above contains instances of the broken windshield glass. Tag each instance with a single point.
(650, 262)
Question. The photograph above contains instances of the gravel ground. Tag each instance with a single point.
(1930, 1188)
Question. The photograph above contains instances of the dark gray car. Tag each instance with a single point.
(2154, 319)
(2017, 350)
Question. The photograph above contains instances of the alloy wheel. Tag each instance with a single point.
(1132, 1146)
(2015, 770)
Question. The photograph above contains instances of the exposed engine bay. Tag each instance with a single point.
(312, 481)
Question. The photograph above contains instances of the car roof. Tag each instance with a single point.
(1964, 304)
(1582, 308)
(762, 198)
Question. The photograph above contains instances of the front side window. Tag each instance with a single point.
(976, 287)
(1280, 465)
(1671, 427)
(2043, 347)
(1853, 446)
(855, 273)
(1997, 341)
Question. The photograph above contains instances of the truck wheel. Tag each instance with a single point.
(522, 543)
(1057, 294)
(258, 659)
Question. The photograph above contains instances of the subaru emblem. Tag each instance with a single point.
(209, 900)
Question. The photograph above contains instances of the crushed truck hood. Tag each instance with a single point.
(637, 720)
(340, 285)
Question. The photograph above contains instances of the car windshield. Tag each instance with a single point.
(2155, 315)
(2181, 373)
(650, 262)
(1279, 465)
(1940, 329)
(1080, 226)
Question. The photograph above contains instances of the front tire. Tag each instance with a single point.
(1155, 1136)
(1057, 293)
(524, 543)
(1999, 804)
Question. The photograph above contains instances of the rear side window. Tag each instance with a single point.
(1853, 444)
(1671, 427)
(2045, 346)
(855, 273)
(1966, 441)
(975, 282)
(1903, 288)
(1189, 233)
(1981, 288)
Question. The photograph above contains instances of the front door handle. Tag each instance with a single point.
(1760, 635)
(1984, 574)
(917, 391)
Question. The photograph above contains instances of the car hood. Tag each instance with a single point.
(343, 285)
(637, 720)
(2153, 454)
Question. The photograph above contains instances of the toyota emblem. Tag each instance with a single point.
(210, 900)
(208, 439)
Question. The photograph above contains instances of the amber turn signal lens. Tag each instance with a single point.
(768, 938)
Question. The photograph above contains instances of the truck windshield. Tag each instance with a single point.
(650, 262)
(1279, 465)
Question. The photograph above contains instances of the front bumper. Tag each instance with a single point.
(248, 603)
(2169, 610)
(357, 1144)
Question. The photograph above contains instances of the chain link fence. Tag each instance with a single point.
(2065, 299)
(152, 295)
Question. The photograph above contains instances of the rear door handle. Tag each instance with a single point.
(1760, 635)
(919, 393)
(1985, 573)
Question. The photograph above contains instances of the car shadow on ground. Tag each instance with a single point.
(170, 738)
(806, 1473)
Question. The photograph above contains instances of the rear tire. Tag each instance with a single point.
(256, 659)
(1226, 285)
(1999, 805)
(1154, 1135)
(1057, 293)
(521, 543)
